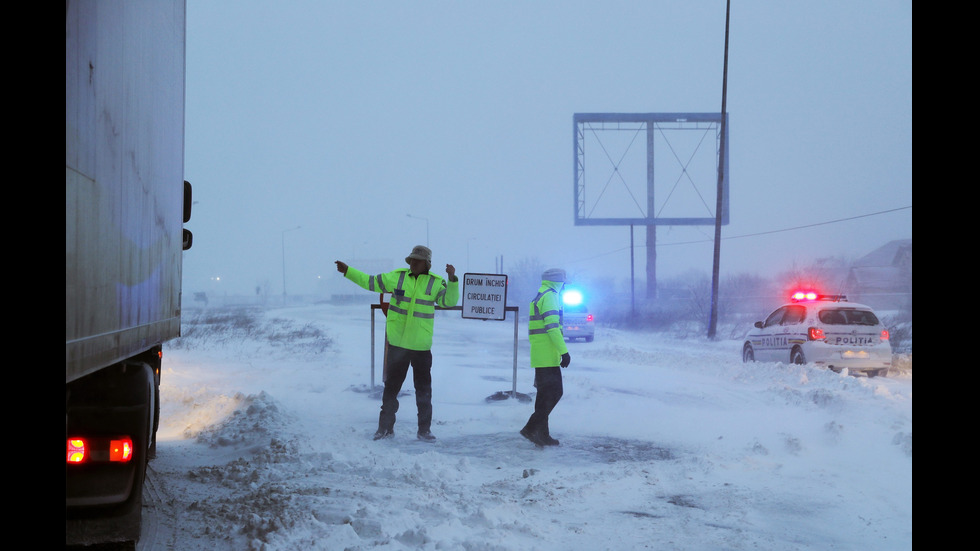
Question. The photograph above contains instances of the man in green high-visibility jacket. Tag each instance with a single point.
(415, 293)
(548, 355)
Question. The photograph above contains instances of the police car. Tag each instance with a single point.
(822, 330)
(576, 320)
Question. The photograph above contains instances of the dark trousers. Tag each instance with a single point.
(396, 370)
(548, 382)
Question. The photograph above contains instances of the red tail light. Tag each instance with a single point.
(121, 450)
(86, 450)
(588, 318)
(815, 334)
(884, 334)
(76, 450)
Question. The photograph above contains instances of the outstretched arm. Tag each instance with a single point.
(382, 283)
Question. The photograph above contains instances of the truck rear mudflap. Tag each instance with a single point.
(109, 420)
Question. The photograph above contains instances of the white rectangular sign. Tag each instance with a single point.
(485, 296)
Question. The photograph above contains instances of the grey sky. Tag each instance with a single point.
(345, 118)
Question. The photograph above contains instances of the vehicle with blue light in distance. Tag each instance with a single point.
(822, 330)
(576, 320)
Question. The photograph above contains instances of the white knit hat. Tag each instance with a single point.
(554, 274)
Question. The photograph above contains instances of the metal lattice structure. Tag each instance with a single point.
(624, 191)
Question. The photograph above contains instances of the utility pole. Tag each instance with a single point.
(715, 271)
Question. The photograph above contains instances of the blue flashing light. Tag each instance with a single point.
(572, 297)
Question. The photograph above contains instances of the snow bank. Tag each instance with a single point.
(665, 443)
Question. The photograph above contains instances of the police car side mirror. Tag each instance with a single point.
(758, 324)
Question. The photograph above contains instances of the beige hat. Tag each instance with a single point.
(554, 274)
(421, 253)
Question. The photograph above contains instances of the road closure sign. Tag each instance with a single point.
(485, 296)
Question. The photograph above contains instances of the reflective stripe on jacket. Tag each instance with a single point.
(544, 327)
(412, 308)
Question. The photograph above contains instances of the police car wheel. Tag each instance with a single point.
(748, 355)
(797, 357)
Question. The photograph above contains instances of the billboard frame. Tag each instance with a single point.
(608, 122)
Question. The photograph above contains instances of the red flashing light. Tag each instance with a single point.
(800, 296)
(805, 295)
(815, 334)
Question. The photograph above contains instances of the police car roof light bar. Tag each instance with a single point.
(800, 296)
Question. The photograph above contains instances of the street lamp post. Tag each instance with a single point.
(284, 259)
(426, 228)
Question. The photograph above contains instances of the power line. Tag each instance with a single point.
(794, 228)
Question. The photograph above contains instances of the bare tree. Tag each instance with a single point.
(523, 281)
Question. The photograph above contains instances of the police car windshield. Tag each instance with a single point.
(847, 316)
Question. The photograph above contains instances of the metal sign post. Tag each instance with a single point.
(484, 298)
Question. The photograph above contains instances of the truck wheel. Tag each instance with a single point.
(155, 366)
(143, 387)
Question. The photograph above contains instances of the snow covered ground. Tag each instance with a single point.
(666, 443)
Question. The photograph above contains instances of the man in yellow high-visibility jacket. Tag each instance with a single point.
(415, 293)
(548, 355)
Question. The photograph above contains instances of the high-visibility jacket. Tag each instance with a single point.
(412, 308)
(544, 327)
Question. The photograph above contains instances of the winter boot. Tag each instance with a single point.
(532, 436)
(547, 440)
(545, 436)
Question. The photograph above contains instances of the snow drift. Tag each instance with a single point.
(665, 444)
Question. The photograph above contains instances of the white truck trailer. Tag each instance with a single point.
(126, 202)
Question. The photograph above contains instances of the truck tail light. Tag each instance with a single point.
(90, 450)
(588, 318)
(815, 334)
(76, 450)
(121, 450)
